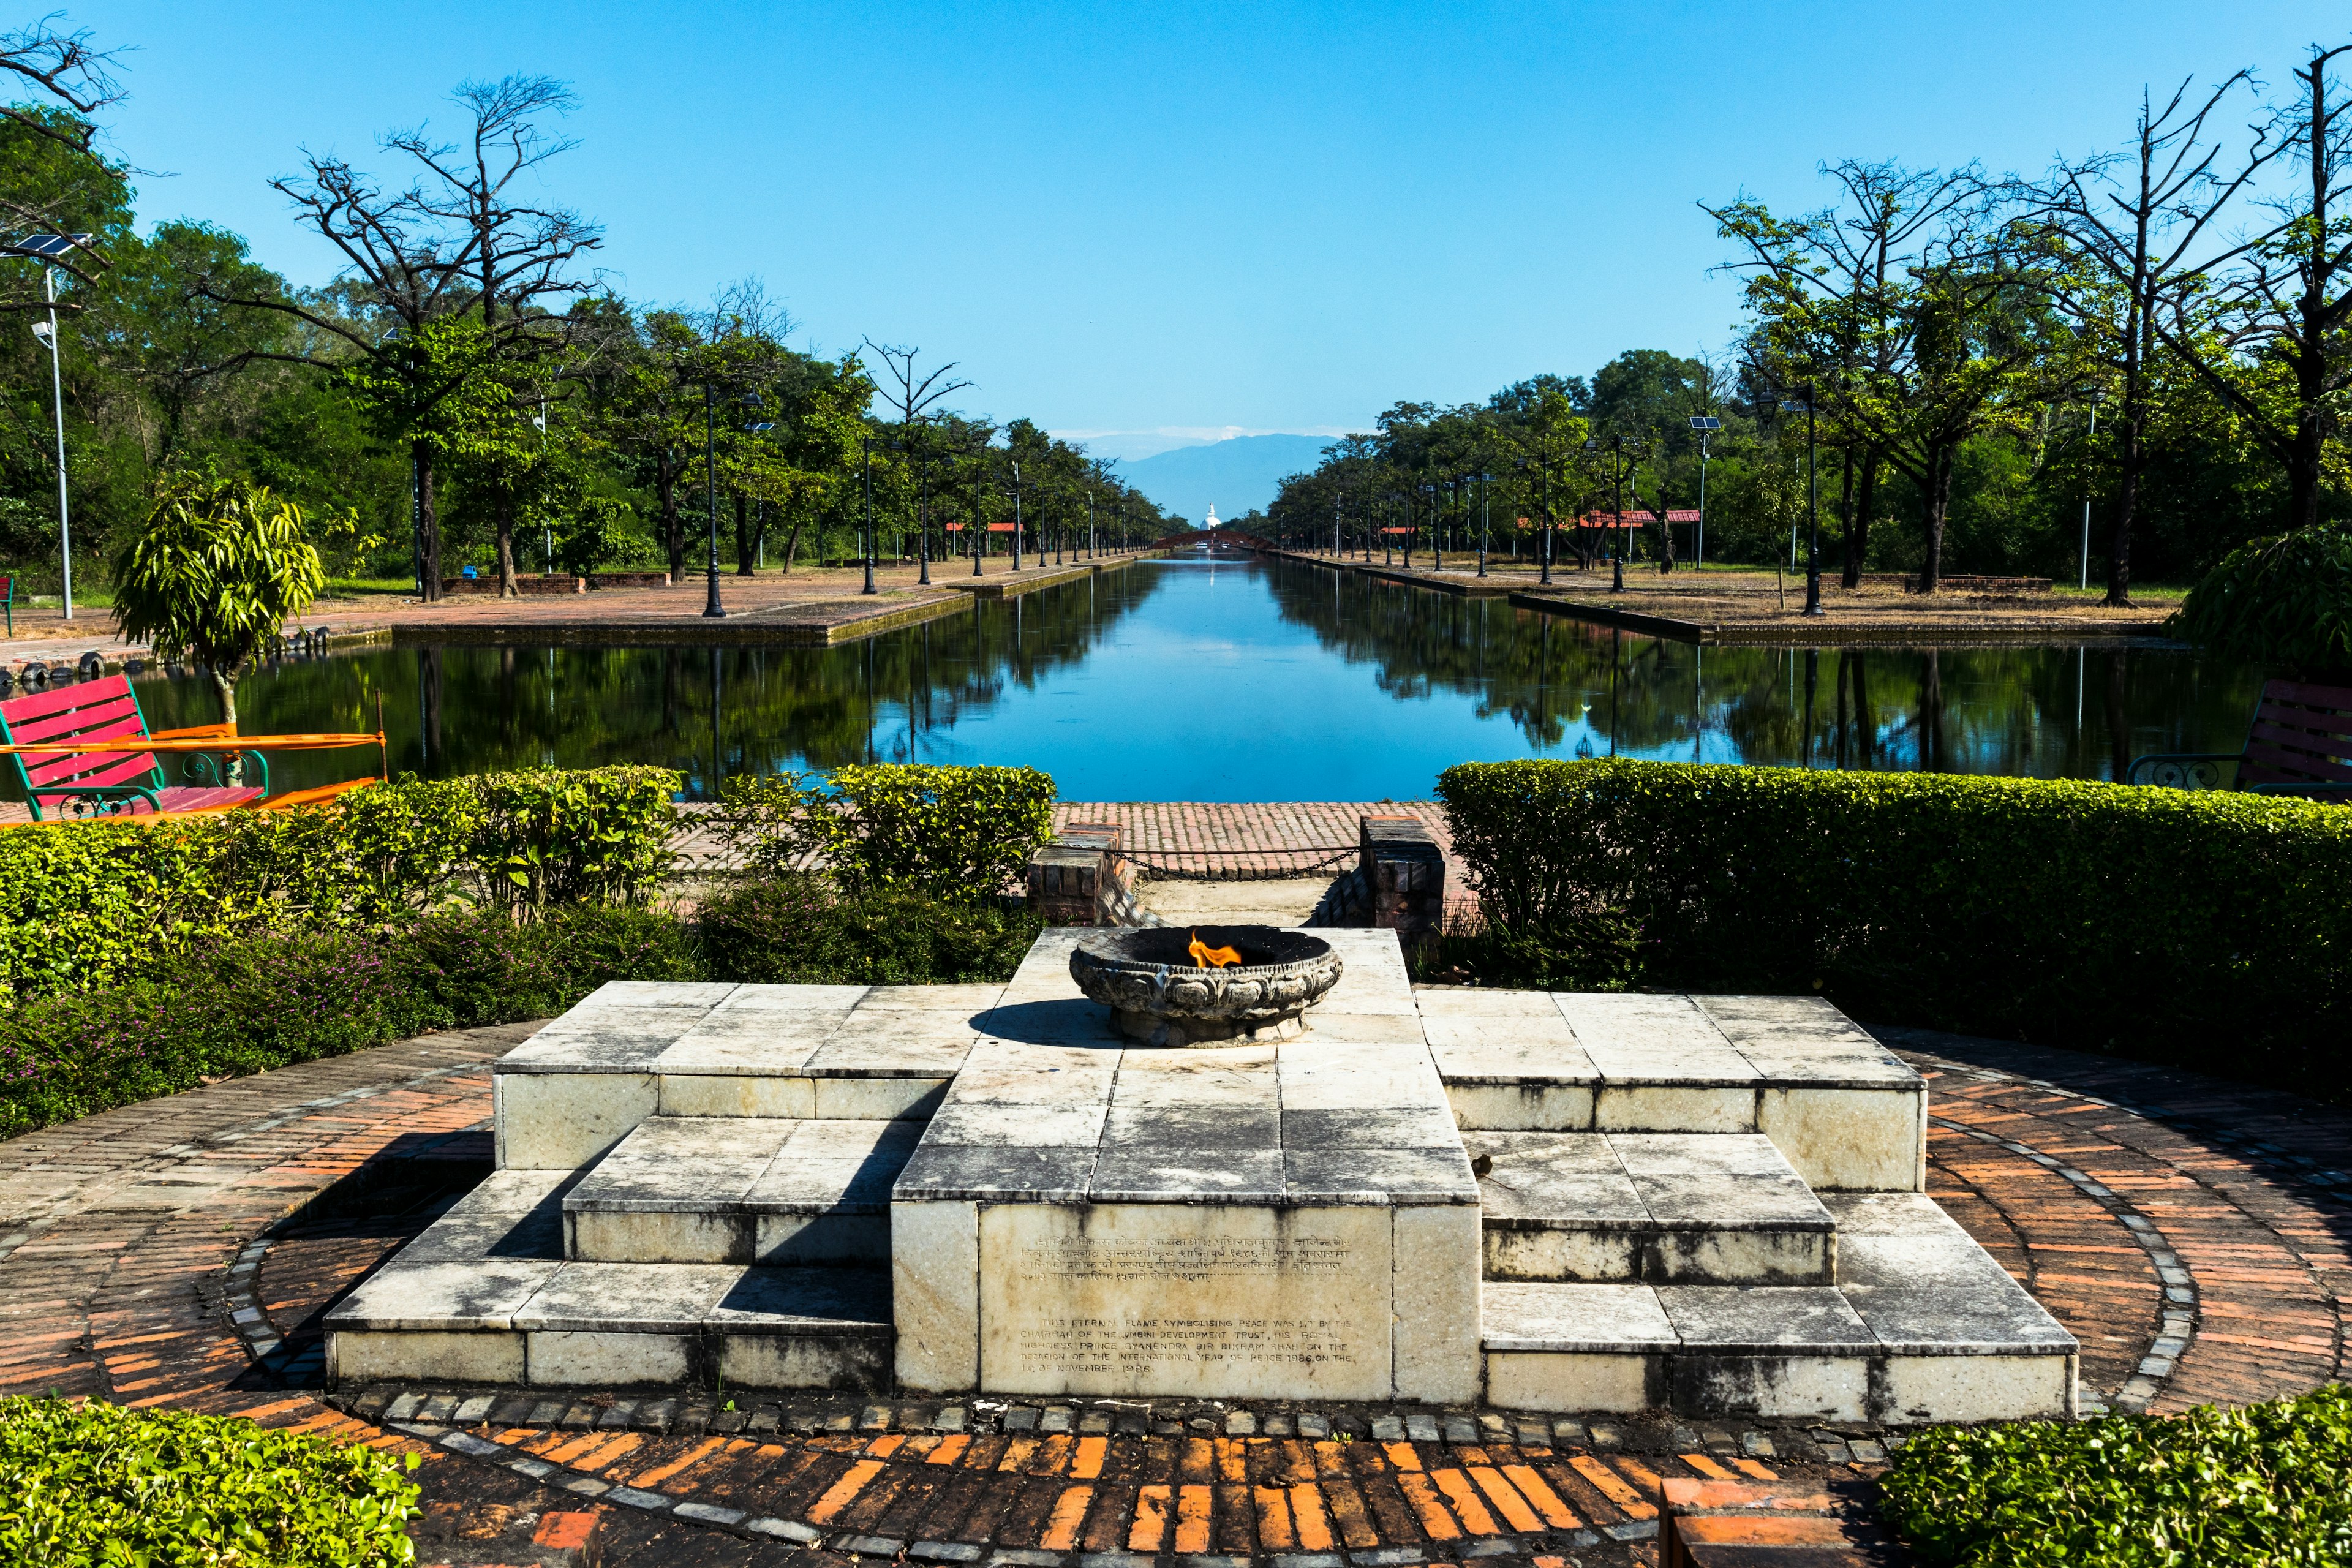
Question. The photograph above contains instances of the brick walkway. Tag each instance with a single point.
(164, 1254)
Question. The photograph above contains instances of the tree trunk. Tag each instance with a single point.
(791, 545)
(1846, 574)
(429, 523)
(744, 545)
(1858, 532)
(673, 526)
(1939, 505)
(505, 513)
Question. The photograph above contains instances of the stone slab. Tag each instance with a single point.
(1164, 1299)
(1718, 1209)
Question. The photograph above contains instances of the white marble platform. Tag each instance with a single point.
(1711, 1204)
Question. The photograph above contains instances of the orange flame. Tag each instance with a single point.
(1211, 957)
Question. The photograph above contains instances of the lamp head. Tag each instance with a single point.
(46, 332)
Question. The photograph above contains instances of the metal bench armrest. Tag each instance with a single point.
(2179, 769)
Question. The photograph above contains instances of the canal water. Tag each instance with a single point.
(1238, 680)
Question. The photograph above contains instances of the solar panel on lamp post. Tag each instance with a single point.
(1706, 425)
(45, 249)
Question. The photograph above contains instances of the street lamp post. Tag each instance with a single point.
(1706, 425)
(867, 443)
(1615, 447)
(45, 246)
(1436, 526)
(1016, 519)
(711, 609)
(1485, 517)
(2087, 439)
(1812, 507)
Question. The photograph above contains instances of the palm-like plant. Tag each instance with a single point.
(212, 573)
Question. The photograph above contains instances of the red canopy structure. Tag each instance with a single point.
(1620, 520)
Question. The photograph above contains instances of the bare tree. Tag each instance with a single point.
(1838, 275)
(2287, 302)
(76, 81)
(459, 241)
(915, 396)
(2133, 232)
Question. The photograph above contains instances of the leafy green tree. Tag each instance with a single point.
(213, 576)
(2284, 601)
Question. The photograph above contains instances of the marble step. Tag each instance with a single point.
(1683, 1208)
(1923, 1326)
(486, 1295)
(730, 1189)
(1845, 1111)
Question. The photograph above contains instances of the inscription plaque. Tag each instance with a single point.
(1177, 1299)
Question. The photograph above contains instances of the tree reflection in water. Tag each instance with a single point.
(1256, 680)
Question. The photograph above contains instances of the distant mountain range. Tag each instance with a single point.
(1233, 475)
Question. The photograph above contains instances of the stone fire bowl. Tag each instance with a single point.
(1158, 995)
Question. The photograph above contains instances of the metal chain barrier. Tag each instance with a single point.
(1328, 859)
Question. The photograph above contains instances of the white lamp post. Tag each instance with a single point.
(46, 246)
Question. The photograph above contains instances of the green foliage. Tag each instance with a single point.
(96, 1484)
(250, 1005)
(2271, 1484)
(2284, 601)
(2156, 923)
(794, 929)
(953, 833)
(213, 576)
(87, 904)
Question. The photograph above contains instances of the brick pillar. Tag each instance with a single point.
(1404, 874)
(1081, 879)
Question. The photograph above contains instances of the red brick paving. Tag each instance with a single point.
(119, 1229)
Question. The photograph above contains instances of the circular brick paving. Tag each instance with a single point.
(2196, 1237)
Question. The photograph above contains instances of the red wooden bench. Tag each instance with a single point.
(107, 782)
(2301, 743)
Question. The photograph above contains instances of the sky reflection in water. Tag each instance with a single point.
(1239, 681)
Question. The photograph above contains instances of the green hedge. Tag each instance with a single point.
(2210, 929)
(94, 1484)
(2271, 1484)
(249, 1006)
(793, 930)
(84, 904)
(956, 834)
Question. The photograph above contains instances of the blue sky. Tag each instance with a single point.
(1154, 224)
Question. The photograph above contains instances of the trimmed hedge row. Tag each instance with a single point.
(792, 931)
(87, 1484)
(251, 1005)
(90, 903)
(2271, 1484)
(952, 833)
(2208, 929)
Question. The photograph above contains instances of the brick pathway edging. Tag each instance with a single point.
(2179, 1290)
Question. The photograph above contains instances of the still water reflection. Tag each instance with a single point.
(1241, 680)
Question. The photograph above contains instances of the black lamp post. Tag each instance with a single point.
(1812, 506)
(1015, 493)
(1615, 447)
(1486, 517)
(868, 444)
(712, 609)
(1436, 526)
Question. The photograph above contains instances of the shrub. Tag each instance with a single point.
(94, 903)
(794, 930)
(2285, 601)
(2149, 921)
(96, 1484)
(2268, 1484)
(958, 834)
(249, 1006)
